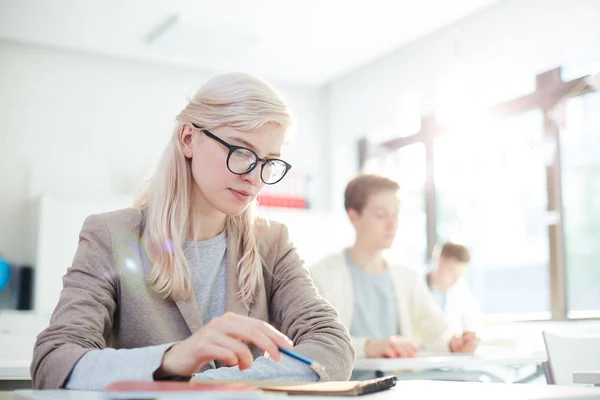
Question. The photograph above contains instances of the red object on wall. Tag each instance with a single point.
(266, 200)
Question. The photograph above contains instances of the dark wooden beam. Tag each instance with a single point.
(544, 84)
(430, 197)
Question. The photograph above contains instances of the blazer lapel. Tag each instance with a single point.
(187, 307)
(190, 312)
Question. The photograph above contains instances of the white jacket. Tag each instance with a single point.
(420, 319)
(462, 310)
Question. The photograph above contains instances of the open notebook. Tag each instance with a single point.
(351, 388)
(134, 389)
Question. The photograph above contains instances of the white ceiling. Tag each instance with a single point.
(306, 42)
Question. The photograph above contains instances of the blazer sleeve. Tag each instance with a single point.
(83, 318)
(428, 318)
(306, 318)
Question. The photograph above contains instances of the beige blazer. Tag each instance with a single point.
(419, 318)
(106, 301)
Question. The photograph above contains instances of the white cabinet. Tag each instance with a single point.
(60, 218)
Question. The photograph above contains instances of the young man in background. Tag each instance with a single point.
(387, 308)
(447, 283)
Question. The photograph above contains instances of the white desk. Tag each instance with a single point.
(455, 361)
(14, 374)
(14, 369)
(85, 395)
(423, 367)
(404, 390)
(587, 377)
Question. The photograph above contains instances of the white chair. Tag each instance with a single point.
(569, 354)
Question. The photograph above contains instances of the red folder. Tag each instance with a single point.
(170, 386)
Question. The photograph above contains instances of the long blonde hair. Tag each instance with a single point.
(237, 100)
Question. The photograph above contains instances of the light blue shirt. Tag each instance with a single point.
(375, 308)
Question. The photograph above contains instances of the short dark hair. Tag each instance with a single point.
(360, 188)
(456, 251)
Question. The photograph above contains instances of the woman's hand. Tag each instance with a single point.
(222, 339)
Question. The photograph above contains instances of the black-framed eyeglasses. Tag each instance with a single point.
(242, 160)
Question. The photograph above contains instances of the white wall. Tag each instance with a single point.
(501, 48)
(78, 123)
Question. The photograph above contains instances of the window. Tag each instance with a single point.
(491, 195)
(491, 192)
(580, 156)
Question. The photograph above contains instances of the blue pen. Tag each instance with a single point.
(315, 366)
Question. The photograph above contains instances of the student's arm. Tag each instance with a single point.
(82, 323)
(306, 318)
(99, 368)
(428, 318)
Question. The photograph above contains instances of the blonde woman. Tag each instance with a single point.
(189, 282)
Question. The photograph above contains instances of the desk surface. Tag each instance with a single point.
(458, 361)
(19, 369)
(14, 369)
(587, 377)
(404, 390)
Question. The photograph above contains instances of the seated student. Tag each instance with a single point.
(449, 288)
(387, 308)
(189, 282)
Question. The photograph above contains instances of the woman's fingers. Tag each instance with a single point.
(258, 332)
(279, 338)
(240, 350)
(224, 354)
(266, 343)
